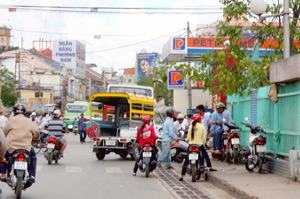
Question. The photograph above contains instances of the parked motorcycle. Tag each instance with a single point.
(52, 152)
(18, 175)
(257, 149)
(194, 168)
(232, 143)
(179, 150)
(147, 163)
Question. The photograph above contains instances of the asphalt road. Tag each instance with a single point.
(81, 176)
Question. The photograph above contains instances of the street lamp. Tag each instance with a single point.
(258, 7)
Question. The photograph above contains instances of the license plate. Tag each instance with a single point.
(50, 146)
(173, 152)
(225, 142)
(260, 148)
(147, 154)
(235, 141)
(19, 165)
(193, 156)
(110, 142)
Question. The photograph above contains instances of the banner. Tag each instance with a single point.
(146, 62)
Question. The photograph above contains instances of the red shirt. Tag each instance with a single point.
(147, 136)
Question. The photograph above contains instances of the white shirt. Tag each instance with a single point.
(3, 121)
(205, 120)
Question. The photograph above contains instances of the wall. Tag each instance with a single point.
(280, 120)
(198, 97)
(28, 97)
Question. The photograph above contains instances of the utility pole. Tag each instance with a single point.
(188, 80)
(286, 30)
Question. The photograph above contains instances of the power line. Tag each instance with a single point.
(110, 8)
(134, 44)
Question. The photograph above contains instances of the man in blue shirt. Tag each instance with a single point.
(217, 125)
(168, 136)
(81, 126)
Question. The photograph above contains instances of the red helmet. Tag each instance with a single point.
(146, 118)
(196, 117)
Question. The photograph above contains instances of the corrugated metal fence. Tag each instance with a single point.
(280, 120)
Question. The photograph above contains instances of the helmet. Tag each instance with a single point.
(19, 109)
(220, 105)
(57, 113)
(170, 112)
(180, 116)
(196, 117)
(33, 114)
(146, 118)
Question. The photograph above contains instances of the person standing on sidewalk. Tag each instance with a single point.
(205, 119)
(81, 126)
(168, 136)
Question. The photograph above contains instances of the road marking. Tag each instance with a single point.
(73, 169)
(113, 170)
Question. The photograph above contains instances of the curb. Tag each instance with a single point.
(225, 186)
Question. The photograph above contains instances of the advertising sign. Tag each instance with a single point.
(71, 54)
(145, 65)
(179, 43)
(175, 79)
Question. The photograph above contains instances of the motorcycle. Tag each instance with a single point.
(147, 164)
(257, 149)
(194, 168)
(52, 152)
(18, 175)
(179, 150)
(232, 143)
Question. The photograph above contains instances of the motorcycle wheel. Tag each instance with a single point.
(100, 155)
(124, 155)
(50, 158)
(228, 157)
(19, 187)
(147, 170)
(194, 173)
(260, 165)
(206, 176)
(135, 151)
(247, 166)
(235, 154)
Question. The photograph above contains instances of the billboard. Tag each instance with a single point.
(146, 62)
(175, 79)
(70, 54)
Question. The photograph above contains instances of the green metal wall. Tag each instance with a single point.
(281, 120)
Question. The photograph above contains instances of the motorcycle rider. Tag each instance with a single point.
(20, 131)
(168, 136)
(196, 135)
(145, 135)
(205, 120)
(217, 126)
(56, 128)
(179, 124)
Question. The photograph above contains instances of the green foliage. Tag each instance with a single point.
(232, 70)
(8, 92)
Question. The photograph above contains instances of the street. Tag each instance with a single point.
(80, 175)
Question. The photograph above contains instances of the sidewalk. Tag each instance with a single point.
(238, 182)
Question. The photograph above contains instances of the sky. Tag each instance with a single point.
(116, 29)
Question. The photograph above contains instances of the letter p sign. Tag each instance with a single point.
(179, 43)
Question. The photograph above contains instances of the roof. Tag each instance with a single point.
(90, 73)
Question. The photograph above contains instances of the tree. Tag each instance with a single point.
(8, 92)
(232, 70)
(159, 82)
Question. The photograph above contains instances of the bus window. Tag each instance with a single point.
(137, 106)
(148, 107)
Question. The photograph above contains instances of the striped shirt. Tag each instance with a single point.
(56, 127)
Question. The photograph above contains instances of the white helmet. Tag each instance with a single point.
(180, 116)
(57, 113)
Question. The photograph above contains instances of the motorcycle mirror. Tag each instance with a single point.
(246, 119)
